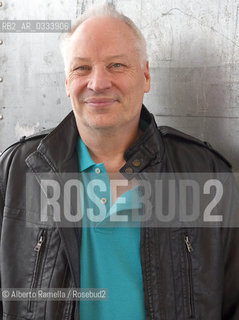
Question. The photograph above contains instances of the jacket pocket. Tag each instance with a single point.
(188, 285)
(39, 255)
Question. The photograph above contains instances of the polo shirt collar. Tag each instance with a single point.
(85, 160)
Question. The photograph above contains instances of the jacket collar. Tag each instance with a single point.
(59, 147)
(147, 151)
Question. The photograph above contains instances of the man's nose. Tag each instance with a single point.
(99, 80)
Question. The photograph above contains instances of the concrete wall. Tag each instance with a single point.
(193, 48)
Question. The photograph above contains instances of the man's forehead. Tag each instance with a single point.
(102, 38)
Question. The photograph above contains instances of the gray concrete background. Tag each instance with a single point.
(193, 51)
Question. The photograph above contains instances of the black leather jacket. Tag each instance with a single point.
(178, 283)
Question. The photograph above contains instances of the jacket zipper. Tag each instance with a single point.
(148, 281)
(38, 249)
(190, 301)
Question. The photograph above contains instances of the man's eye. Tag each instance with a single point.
(117, 65)
(82, 68)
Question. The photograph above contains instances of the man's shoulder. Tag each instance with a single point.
(177, 137)
(14, 156)
(25, 144)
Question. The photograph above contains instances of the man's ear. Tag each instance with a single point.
(67, 87)
(147, 77)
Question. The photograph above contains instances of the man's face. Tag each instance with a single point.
(106, 82)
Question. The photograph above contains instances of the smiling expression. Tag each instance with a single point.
(106, 81)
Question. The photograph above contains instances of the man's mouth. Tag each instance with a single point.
(99, 102)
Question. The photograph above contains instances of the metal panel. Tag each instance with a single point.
(193, 50)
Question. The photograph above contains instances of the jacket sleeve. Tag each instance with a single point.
(231, 256)
(5, 163)
(1, 219)
(231, 280)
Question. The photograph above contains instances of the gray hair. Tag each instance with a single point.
(106, 10)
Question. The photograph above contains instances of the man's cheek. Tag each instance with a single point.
(75, 84)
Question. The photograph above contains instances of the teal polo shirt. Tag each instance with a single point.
(110, 252)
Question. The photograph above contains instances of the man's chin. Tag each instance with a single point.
(98, 121)
(102, 126)
(102, 121)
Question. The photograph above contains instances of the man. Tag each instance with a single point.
(150, 272)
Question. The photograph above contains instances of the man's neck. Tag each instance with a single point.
(108, 146)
